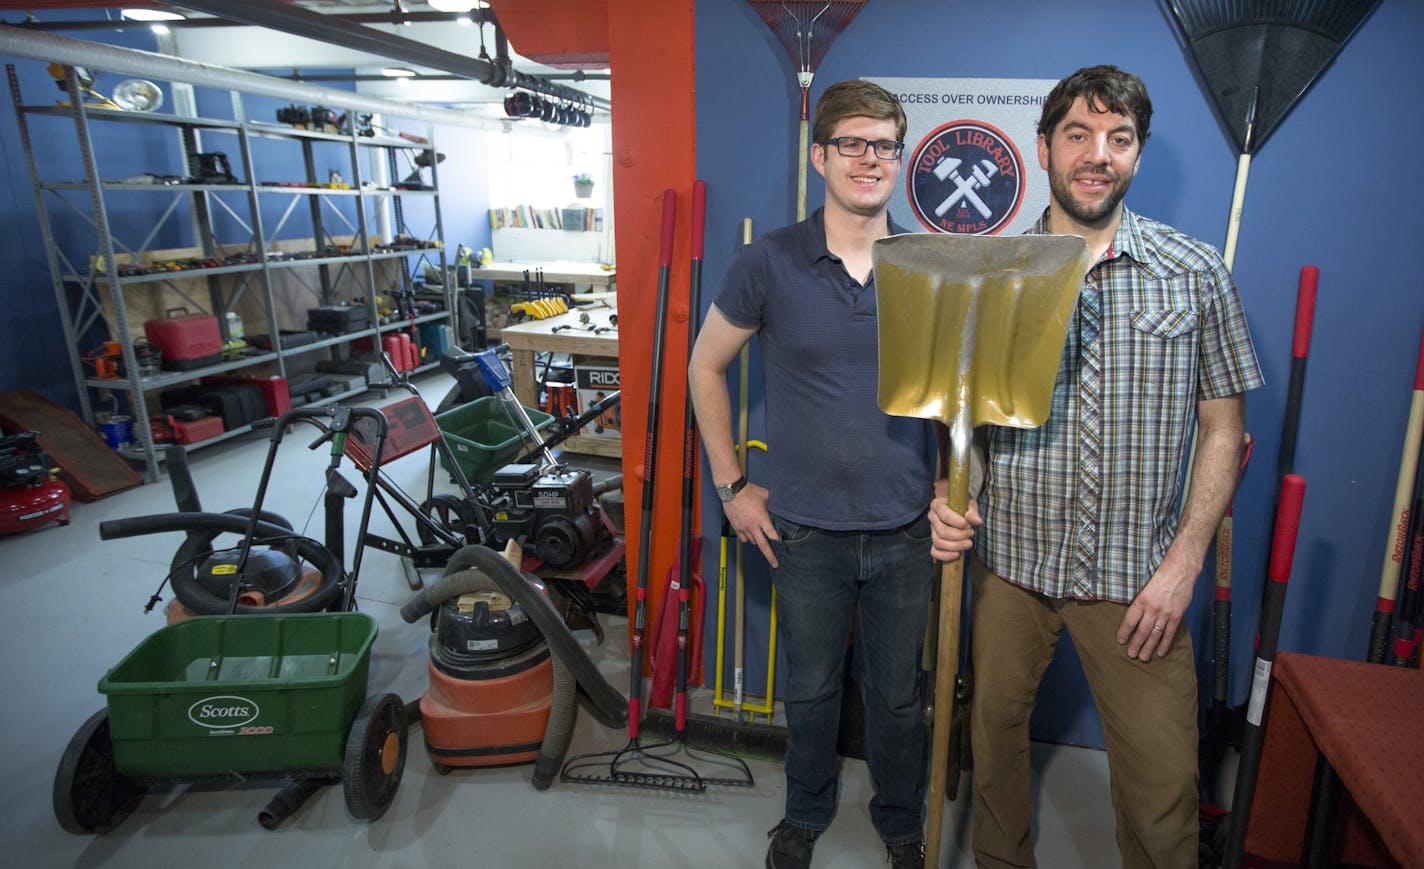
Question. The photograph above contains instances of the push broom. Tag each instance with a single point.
(806, 31)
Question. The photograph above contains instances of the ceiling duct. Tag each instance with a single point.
(290, 18)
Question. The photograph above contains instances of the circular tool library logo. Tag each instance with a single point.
(966, 177)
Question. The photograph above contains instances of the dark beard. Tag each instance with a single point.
(1094, 217)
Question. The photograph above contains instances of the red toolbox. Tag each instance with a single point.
(192, 431)
(186, 342)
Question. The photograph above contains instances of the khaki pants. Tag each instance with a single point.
(1148, 712)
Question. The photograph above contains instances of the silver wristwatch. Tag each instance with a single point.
(728, 491)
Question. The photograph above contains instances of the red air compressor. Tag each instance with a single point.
(29, 495)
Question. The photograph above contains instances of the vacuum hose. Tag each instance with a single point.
(293, 793)
(560, 729)
(321, 558)
(600, 698)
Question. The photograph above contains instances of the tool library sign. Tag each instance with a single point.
(971, 160)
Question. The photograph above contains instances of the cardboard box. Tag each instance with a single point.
(595, 379)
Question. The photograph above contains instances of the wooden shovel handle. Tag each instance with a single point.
(951, 592)
(946, 667)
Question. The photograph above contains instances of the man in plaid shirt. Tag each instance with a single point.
(1076, 523)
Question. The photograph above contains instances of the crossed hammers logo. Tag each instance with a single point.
(964, 188)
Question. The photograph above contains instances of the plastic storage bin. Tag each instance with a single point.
(215, 695)
(484, 438)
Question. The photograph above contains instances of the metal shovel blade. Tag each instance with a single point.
(972, 327)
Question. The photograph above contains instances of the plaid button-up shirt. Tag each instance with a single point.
(1173, 333)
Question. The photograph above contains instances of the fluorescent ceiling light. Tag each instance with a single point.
(397, 72)
(158, 28)
(457, 5)
(150, 15)
(464, 21)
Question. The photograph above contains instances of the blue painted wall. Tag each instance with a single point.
(1337, 185)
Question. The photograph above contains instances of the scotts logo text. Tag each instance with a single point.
(966, 177)
(222, 712)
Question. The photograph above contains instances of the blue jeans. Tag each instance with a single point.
(881, 579)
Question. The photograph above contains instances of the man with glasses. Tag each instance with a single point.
(1080, 526)
(842, 520)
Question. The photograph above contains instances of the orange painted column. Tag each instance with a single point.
(654, 148)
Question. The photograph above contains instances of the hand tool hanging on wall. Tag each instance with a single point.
(1404, 650)
(743, 446)
(1226, 721)
(1398, 532)
(634, 765)
(806, 31)
(971, 331)
(1273, 603)
(1217, 734)
(1258, 58)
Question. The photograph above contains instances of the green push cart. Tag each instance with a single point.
(225, 697)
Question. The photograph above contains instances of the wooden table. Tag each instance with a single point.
(554, 334)
(558, 272)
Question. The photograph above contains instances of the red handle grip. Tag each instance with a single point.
(669, 225)
(1304, 310)
(699, 213)
(1287, 524)
(1419, 370)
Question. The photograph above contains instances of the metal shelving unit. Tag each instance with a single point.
(92, 278)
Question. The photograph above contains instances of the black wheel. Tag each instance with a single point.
(375, 757)
(90, 794)
(442, 769)
(452, 513)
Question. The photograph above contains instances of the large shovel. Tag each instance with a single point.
(971, 332)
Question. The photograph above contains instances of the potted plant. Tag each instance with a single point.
(583, 185)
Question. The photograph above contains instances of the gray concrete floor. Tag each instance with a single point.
(71, 607)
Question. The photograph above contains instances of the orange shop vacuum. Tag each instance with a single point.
(506, 674)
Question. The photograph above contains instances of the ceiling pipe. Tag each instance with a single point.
(202, 23)
(47, 47)
(290, 18)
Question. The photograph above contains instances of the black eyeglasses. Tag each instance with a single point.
(854, 146)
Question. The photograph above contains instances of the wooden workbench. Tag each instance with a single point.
(524, 339)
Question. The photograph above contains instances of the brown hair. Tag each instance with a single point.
(855, 98)
(1104, 89)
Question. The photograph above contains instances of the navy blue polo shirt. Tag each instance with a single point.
(836, 460)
